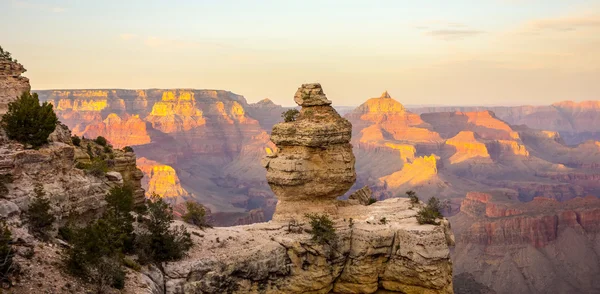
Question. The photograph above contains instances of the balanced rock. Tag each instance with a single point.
(314, 164)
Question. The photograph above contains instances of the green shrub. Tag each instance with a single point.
(6, 253)
(383, 221)
(430, 213)
(160, 243)
(107, 149)
(414, 199)
(39, 216)
(5, 179)
(29, 122)
(322, 229)
(290, 115)
(101, 141)
(5, 55)
(97, 168)
(372, 200)
(132, 264)
(127, 149)
(76, 140)
(195, 215)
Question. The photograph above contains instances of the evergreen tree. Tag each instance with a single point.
(195, 215)
(29, 122)
(39, 215)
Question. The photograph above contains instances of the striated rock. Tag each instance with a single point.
(398, 256)
(114, 177)
(362, 195)
(176, 112)
(12, 84)
(120, 132)
(315, 163)
(467, 147)
(160, 179)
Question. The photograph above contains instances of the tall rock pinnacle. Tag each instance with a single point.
(315, 163)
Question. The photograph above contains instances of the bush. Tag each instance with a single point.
(372, 200)
(322, 229)
(127, 149)
(101, 141)
(39, 215)
(6, 253)
(29, 122)
(97, 168)
(290, 115)
(5, 55)
(132, 264)
(160, 243)
(414, 199)
(76, 140)
(5, 179)
(430, 213)
(195, 215)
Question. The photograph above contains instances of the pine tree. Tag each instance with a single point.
(39, 215)
(29, 122)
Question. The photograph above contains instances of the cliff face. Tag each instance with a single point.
(542, 246)
(577, 122)
(12, 84)
(379, 248)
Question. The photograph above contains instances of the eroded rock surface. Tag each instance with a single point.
(12, 84)
(380, 247)
(314, 164)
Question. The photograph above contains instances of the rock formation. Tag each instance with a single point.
(315, 163)
(12, 84)
(160, 179)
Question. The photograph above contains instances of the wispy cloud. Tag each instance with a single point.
(38, 6)
(563, 24)
(453, 34)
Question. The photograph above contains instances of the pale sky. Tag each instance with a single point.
(448, 52)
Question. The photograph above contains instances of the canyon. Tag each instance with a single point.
(208, 146)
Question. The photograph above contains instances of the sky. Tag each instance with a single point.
(459, 52)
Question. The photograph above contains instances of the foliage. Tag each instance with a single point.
(160, 243)
(6, 253)
(383, 221)
(107, 149)
(5, 179)
(39, 215)
(195, 215)
(414, 199)
(322, 229)
(76, 140)
(372, 200)
(127, 149)
(97, 168)
(132, 264)
(290, 115)
(29, 122)
(430, 213)
(101, 141)
(6, 55)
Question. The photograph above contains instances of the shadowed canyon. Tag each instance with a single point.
(517, 181)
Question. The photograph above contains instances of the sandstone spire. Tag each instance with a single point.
(385, 95)
(315, 163)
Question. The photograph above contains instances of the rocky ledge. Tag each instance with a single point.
(381, 249)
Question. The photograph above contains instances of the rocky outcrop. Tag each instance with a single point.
(12, 84)
(314, 164)
(380, 248)
(160, 179)
(498, 234)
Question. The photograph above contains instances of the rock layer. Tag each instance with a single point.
(314, 164)
(12, 84)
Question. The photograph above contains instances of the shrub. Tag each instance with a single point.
(6, 253)
(97, 168)
(101, 141)
(414, 199)
(29, 122)
(322, 229)
(290, 115)
(132, 264)
(372, 200)
(430, 213)
(5, 55)
(107, 149)
(5, 179)
(76, 140)
(160, 243)
(195, 215)
(39, 215)
(383, 221)
(127, 149)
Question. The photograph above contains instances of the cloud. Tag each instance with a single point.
(37, 6)
(453, 34)
(563, 24)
